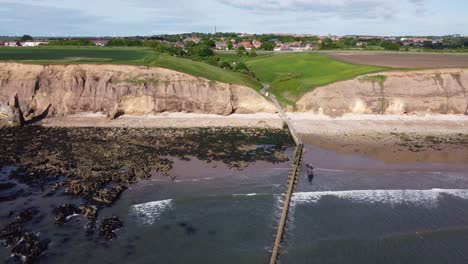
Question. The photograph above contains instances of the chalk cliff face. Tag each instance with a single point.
(442, 91)
(111, 89)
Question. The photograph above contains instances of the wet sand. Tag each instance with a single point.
(393, 139)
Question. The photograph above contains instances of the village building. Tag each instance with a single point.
(257, 44)
(12, 44)
(194, 39)
(247, 45)
(35, 43)
(221, 46)
(361, 44)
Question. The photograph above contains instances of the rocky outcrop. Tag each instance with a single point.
(116, 90)
(15, 115)
(442, 91)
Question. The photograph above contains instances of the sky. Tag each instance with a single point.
(153, 17)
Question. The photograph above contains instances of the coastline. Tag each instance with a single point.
(389, 138)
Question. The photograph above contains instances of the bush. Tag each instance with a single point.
(225, 65)
(253, 53)
(124, 43)
(268, 46)
(201, 50)
(80, 42)
(390, 45)
(213, 60)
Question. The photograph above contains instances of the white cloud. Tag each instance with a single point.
(342, 8)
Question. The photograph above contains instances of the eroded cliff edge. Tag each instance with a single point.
(443, 91)
(116, 89)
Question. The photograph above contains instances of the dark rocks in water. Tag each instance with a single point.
(11, 234)
(86, 161)
(24, 244)
(26, 215)
(30, 247)
(63, 212)
(109, 196)
(109, 226)
(90, 212)
(98, 164)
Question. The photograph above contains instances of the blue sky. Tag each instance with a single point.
(147, 17)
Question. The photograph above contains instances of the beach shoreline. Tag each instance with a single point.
(389, 138)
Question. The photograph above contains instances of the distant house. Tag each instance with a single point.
(12, 44)
(257, 44)
(247, 45)
(417, 42)
(33, 43)
(221, 46)
(100, 43)
(192, 39)
(2, 43)
(361, 44)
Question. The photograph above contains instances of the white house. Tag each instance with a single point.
(33, 43)
(12, 44)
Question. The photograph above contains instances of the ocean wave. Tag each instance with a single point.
(248, 194)
(149, 213)
(391, 197)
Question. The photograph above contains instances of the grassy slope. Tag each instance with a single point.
(201, 69)
(129, 56)
(291, 75)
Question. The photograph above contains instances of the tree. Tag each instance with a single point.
(201, 50)
(328, 43)
(390, 45)
(253, 53)
(209, 43)
(268, 45)
(230, 45)
(241, 51)
(190, 44)
(26, 38)
(225, 65)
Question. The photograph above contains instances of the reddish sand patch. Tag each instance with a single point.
(403, 60)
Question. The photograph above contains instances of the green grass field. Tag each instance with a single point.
(59, 55)
(291, 75)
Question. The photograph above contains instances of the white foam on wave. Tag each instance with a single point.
(391, 197)
(149, 213)
(248, 194)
